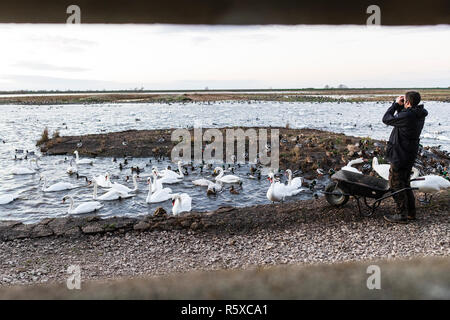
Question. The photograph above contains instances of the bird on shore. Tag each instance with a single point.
(430, 184)
(351, 163)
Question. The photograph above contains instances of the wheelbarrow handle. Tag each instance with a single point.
(417, 179)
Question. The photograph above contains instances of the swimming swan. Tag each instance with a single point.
(60, 186)
(110, 195)
(156, 193)
(225, 179)
(294, 186)
(103, 181)
(276, 191)
(20, 171)
(79, 161)
(86, 207)
(72, 168)
(181, 203)
(7, 198)
(125, 189)
(167, 173)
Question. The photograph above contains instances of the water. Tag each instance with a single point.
(21, 126)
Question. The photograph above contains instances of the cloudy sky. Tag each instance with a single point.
(97, 57)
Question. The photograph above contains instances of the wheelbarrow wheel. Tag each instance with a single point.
(338, 198)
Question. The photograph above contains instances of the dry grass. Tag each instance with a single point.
(44, 137)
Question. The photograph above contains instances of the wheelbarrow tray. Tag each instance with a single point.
(346, 183)
(357, 184)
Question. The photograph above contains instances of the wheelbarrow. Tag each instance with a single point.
(346, 183)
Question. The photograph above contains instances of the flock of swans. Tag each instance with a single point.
(182, 202)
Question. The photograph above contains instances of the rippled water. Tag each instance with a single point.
(21, 126)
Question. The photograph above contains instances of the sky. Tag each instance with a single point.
(164, 57)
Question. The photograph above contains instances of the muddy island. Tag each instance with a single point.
(300, 149)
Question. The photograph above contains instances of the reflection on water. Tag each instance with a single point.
(21, 126)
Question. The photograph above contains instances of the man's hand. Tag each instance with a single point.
(400, 100)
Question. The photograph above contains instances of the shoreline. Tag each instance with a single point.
(300, 232)
(307, 95)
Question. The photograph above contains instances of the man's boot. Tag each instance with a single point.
(398, 217)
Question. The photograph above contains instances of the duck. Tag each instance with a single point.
(103, 181)
(351, 163)
(125, 189)
(59, 186)
(110, 195)
(156, 193)
(430, 184)
(86, 207)
(233, 190)
(225, 179)
(72, 168)
(181, 203)
(79, 161)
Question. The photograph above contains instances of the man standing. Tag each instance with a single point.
(402, 150)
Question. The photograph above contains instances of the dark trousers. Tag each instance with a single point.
(405, 201)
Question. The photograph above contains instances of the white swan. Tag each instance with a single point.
(349, 165)
(296, 182)
(167, 179)
(172, 174)
(225, 179)
(103, 181)
(125, 189)
(7, 198)
(86, 207)
(276, 191)
(72, 168)
(431, 184)
(20, 171)
(201, 182)
(110, 195)
(217, 186)
(60, 186)
(383, 169)
(294, 186)
(156, 193)
(79, 161)
(181, 203)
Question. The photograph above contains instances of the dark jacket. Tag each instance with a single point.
(403, 144)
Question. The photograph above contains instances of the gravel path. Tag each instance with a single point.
(325, 235)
